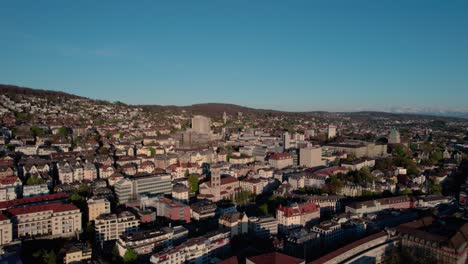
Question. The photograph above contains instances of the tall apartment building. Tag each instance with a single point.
(201, 124)
(310, 157)
(97, 207)
(111, 226)
(131, 188)
(331, 131)
(54, 220)
(6, 230)
(297, 215)
(291, 141)
(394, 137)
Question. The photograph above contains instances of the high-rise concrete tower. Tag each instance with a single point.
(331, 131)
(394, 137)
(201, 124)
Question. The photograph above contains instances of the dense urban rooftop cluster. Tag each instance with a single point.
(91, 181)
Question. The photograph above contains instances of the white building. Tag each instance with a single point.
(331, 131)
(6, 230)
(53, 220)
(9, 188)
(33, 190)
(180, 193)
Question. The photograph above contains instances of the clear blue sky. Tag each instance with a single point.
(288, 54)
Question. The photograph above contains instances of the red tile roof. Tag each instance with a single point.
(225, 180)
(281, 156)
(8, 180)
(55, 207)
(300, 209)
(332, 170)
(35, 199)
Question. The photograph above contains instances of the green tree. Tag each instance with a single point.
(116, 256)
(37, 132)
(406, 192)
(63, 131)
(45, 257)
(34, 180)
(130, 256)
(100, 121)
(436, 156)
(335, 184)
(264, 209)
(152, 151)
(78, 200)
(412, 168)
(434, 188)
(243, 197)
(193, 183)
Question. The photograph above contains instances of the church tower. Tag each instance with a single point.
(216, 181)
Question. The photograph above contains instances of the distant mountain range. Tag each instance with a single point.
(217, 108)
(433, 111)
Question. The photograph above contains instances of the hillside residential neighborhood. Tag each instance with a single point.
(89, 181)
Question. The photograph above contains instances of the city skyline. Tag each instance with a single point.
(304, 56)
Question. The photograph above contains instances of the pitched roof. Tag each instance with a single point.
(299, 209)
(8, 180)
